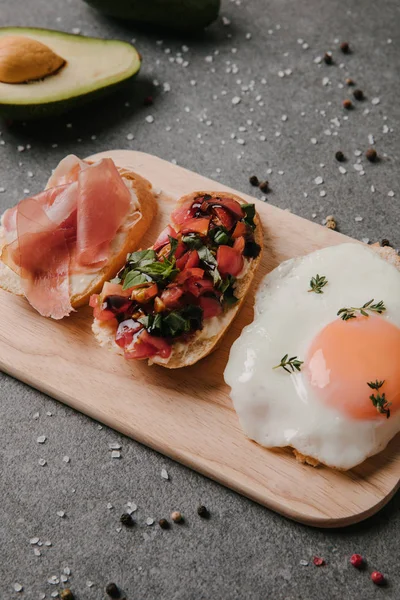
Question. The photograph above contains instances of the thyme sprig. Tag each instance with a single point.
(379, 400)
(317, 283)
(349, 313)
(289, 363)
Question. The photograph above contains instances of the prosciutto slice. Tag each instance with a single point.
(66, 228)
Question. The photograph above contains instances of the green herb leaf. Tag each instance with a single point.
(142, 257)
(174, 244)
(174, 323)
(288, 364)
(349, 313)
(219, 236)
(379, 400)
(227, 288)
(135, 278)
(317, 283)
(250, 213)
(192, 241)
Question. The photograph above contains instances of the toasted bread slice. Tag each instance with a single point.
(392, 257)
(143, 210)
(207, 340)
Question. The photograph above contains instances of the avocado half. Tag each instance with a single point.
(182, 15)
(93, 67)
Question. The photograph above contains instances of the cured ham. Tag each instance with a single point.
(67, 228)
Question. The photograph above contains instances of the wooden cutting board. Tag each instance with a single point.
(187, 414)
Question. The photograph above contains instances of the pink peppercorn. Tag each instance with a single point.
(318, 561)
(378, 578)
(356, 560)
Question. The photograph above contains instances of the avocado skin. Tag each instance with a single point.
(29, 112)
(181, 15)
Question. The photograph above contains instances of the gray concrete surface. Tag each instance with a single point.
(244, 551)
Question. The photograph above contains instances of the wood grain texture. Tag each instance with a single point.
(187, 414)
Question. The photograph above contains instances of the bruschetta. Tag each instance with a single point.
(172, 303)
(59, 247)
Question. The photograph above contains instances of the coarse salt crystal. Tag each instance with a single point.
(66, 459)
(42, 462)
(114, 446)
(371, 139)
(164, 474)
(318, 180)
(284, 118)
(358, 219)
(130, 136)
(149, 521)
(20, 148)
(76, 30)
(313, 140)
(41, 439)
(391, 193)
(90, 584)
(67, 570)
(372, 188)
(37, 552)
(61, 513)
(149, 119)
(115, 454)
(34, 540)
(208, 59)
(64, 578)
(342, 170)
(18, 587)
(375, 101)
(322, 193)
(304, 563)
(236, 100)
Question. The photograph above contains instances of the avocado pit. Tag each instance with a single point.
(24, 59)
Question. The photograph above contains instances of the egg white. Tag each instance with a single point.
(276, 409)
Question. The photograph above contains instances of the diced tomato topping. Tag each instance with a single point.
(126, 331)
(180, 250)
(144, 292)
(198, 287)
(162, 347)
(211, 307)
(226, 218)
(114, 289)
(228, 203)
(200, 226)
(188, 260)
(230, 261)
(163, 238)
(170, 297)
(239, 230)
(94, 300)
(239, 244)
(139, 350)
(183, 275)
(102, 315)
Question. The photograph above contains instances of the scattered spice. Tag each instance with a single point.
(385, 242)
(345, 47)
(264, 187)
(347, 104)
(203, 512)
(163, 523)
(358, 94)
(340, 156)
(254, 181)
(127, 520)
(357, 561)
(378, 578)
(176, 516)
(112, 590)
(371, 154)
(318, 561)
(328, 58)
(66, 594)
(349, 81)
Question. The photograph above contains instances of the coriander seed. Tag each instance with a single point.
(203, 512)
(340, 156)
(112, 590)
(254, 180)
(66, 594)
(347, 104)
(349, 81)
(385, 242)
(264, 187)
(127, 520)
(163, 523)
(176, 516)
(345, 48)
(358, 94)
(371, 154)
(328, 58)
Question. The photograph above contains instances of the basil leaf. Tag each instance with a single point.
(174, 244)
(192, 241)
(207, 256)
(134, 278)
(176, 323)
(142, 257)
(250, 213)
(227, 288)
(220, 236)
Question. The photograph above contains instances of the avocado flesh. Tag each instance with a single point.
(93, 68)
(183, 15)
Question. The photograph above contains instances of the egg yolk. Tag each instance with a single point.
(346, 355)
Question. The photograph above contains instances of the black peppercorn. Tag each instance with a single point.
(339, 156)
(371, 154)
(385, 242)
(347, 104)
(328, 58)
(163, 523)
(112, 590)
(126, 520)
(345, 48)
(203, 512)
(358, 94)
(254, 180)
(264, 187)
(66, 594)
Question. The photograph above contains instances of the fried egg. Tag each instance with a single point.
(325, 408)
